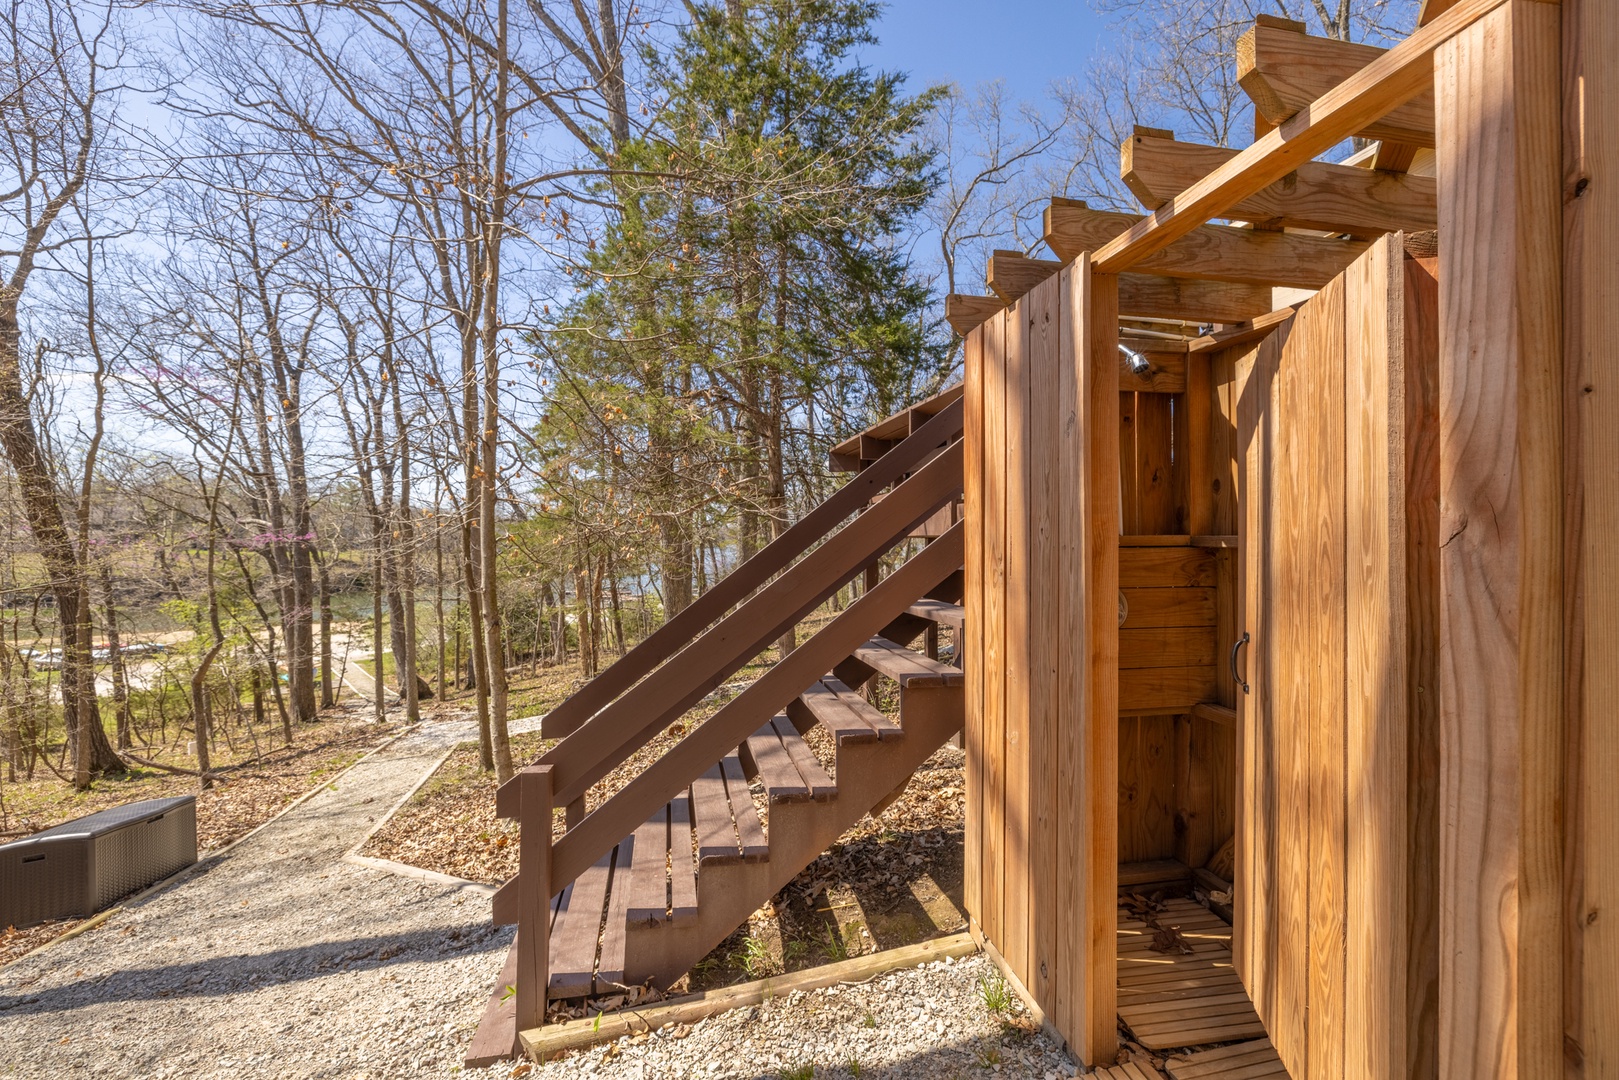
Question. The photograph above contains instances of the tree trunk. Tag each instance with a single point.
(618, 609)
(494, 632)
(677, 568)
(438, 601)
(379, 681)
(328, 685)
(64, 572)
(477, 660)
(115, 653)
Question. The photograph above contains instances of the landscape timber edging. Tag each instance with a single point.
(542, 1043)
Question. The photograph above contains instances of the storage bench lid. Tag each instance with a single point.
(103, 822)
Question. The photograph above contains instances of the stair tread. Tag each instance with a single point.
(939, 611)
(773, 766)
(666, 890)
(809, 766)
(906, 667)
(682, 870)
(574, 931)
(649, 873)
(716, 832)
(845, 714)
(784, 763)
(749, 828)
(610, 969)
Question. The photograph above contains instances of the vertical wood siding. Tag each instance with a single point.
(1335, 938)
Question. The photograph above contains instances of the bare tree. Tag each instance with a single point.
(59, 65)
(993, 148)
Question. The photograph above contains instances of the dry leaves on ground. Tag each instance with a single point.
(245, 798)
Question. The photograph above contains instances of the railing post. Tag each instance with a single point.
(534, 896)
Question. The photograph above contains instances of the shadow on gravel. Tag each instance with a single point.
(245, 972)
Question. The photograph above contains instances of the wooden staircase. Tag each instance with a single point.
(653, 878)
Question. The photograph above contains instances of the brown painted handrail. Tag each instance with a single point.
(669, 638)
(721, 733)
(608, 739)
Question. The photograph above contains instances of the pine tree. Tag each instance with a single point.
(754, 286)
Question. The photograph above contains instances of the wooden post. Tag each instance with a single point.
(1591, 381)
(970, 640)
(534, 876)
(1501, 574)
(1088, 687)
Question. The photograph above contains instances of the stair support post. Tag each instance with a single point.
(534, 890)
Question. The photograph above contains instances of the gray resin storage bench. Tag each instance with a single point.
(79, 867)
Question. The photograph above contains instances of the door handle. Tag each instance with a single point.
(1235, 648)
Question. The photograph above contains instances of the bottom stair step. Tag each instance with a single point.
(631, 883)
(575, 931)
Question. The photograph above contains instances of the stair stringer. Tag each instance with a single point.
(798, 832)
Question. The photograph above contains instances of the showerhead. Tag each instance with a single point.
(1138, 363)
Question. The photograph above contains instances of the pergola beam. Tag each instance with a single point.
(1319, 195)
(1208, 252)
(1150, 296)
(1284, 71)
(1395, 77)
(966, 313)
(1011, 274)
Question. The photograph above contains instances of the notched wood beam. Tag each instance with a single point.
(1150, 296)
(966, 313)
(1283, 71)
(1432, 9)
(1400, 75)
(1209, 252)
(1011, 274)
(1318, 195)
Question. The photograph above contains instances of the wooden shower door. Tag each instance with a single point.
(1335, 931)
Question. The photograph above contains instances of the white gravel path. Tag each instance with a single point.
(926, 1023)
(279, 960)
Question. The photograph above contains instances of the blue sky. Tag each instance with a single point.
(1028, 43)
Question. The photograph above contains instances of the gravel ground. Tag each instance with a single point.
(926, 1023)
(280, 960)
(277, 960)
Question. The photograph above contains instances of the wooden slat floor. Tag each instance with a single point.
(1133, 1070)
(1239, 1061)
(1172, 1000)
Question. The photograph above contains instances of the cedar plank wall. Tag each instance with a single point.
(1175, 772)
(1041, 890)
(1338, 825)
